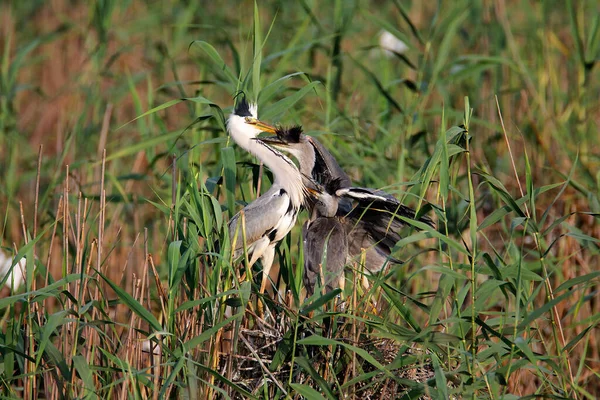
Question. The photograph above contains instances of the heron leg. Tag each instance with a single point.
(265, 250)
(267, 257)
(258, 248)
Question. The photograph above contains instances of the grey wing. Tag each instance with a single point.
(377, 247)
(319, 232)
(328, 172)
(310, 274)
(373, 224)
(378, 204)
(365, 194)
(326, 167)
(261, 217)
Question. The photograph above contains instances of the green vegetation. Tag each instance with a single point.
(489, 120)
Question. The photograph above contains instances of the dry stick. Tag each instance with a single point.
(147, 276)
(129, 340)
(66, 217)
(29, 334)
(65, 227)
(54, 390)
(104, 129)
(29, 366)
(37, 195)
(173, 179)
(141, 281)
(96, 295)
(556, 317)
(81, 243)
(78, 248)
(262, 365)
(35, 308)
(206, 347)
(155, 358)
(92, 335)
(23, 222)
(78, 268)
(173, 195)
(139, 320)
(101, 220)
(161, 291)
(100, 223)
(56, 219)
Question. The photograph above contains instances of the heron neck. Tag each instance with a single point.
(284, 170)
(306, 161)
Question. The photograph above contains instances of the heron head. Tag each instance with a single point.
(325, 202)
(244, 120)
(286, 138)
(293, 140)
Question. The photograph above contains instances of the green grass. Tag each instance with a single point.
(489, 121)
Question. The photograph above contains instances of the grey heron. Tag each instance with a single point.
(324, 231)
(269, 218)
(370, 217)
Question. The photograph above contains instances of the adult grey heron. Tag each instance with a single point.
(370, 217)
(266, 220)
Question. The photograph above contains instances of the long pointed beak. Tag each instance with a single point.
(273, 141)
(263, 126)
(312, 191)
(312, 187)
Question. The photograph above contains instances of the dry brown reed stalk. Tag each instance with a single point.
(101, 221)
(556, 320)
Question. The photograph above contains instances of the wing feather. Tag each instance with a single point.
(262, 216)
(315, 235)
(374, 224)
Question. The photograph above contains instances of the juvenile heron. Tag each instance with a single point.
(271, 216)
(324, 231)
(328, 229)
(370, 217)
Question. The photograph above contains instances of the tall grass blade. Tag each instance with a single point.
(283, 105)
(306, 391)
(133, 304)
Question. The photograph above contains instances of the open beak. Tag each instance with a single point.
(273, 141)
(313, 191)
(263, 126)
(313, 188)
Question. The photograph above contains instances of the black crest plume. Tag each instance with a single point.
(242, 108)
(290, 135)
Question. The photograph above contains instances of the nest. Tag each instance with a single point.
(248, 365)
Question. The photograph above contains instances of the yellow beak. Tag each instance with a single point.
(312, 191)
(263, 126)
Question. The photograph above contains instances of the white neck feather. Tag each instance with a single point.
(285, 171)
